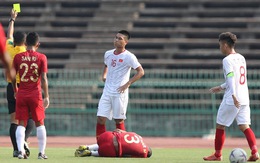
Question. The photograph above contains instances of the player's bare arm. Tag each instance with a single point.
(137, 76)
(104, 75)
(44, 82)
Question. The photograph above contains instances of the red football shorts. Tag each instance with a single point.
(29, 106)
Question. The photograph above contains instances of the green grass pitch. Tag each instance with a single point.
(66, 155)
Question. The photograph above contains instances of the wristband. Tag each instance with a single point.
(11, 19)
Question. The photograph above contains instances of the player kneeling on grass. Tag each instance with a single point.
(118, 143)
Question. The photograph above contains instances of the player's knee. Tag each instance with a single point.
(101, 120)
(39, 123)
(221, 127)
(119, 121)
(23, 123)
(243, 127)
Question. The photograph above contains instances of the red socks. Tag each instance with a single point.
(219, 141)
(250, 136)
(100, 129)
(121, 126)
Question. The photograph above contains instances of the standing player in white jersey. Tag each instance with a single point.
(235, 103)
(116, 75)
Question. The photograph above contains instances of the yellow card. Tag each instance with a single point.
(16, 7)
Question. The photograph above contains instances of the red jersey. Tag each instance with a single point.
(2, 41)
(30, 65)
(106, 145)
(131, 144)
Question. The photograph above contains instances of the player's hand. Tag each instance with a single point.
(215, 89)
(123, 87)
(119, 130)
(14, 95)
(46, 102)
(236, 102)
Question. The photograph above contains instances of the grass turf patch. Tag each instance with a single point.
(160, 155)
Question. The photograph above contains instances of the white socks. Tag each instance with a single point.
(93, 147)
(42, 138)
(41, 135)
(94, 153)
(20, 136)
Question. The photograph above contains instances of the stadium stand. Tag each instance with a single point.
(176, 42)
(178, 34)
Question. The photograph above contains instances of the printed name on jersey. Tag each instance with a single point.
(28, 58)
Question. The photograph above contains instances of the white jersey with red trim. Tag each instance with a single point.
(119, 68)
(236, 63)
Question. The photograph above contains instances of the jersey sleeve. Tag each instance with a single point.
(133, 61)
(106, 55)
(2, 41)
(44, 63)
(9, 42)
(227, 66)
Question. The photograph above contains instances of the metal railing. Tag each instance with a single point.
(162, 103)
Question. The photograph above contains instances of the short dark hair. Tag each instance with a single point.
(19, 38)
(32, 39)
(229, 38)
(126, 33)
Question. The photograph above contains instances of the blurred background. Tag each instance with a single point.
(176, 41)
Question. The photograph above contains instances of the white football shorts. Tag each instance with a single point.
(113, 106)
(228, 113)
